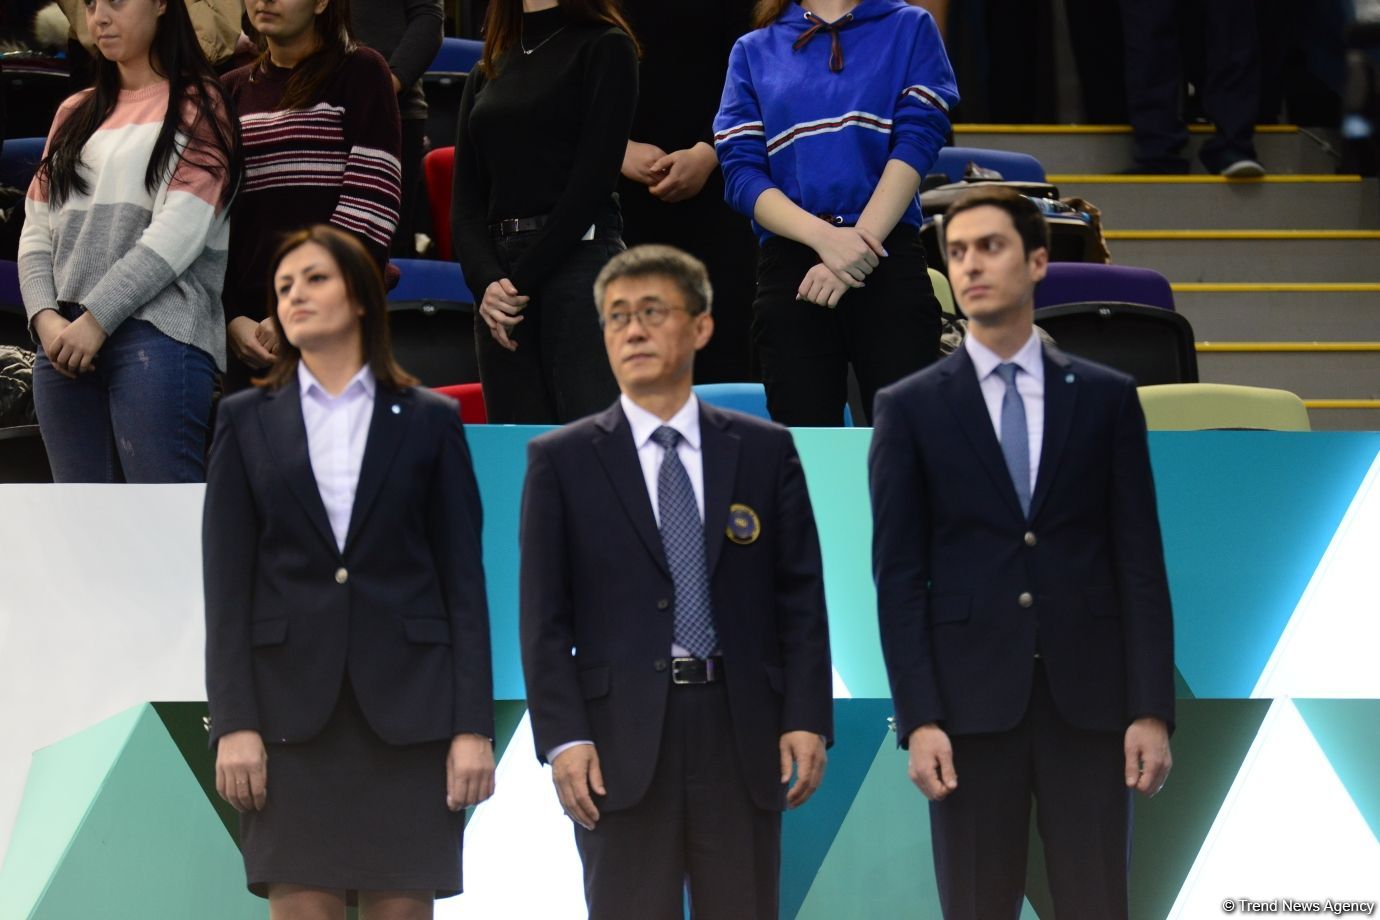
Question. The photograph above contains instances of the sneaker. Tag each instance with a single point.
(1244, 169)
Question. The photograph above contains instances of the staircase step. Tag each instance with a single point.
(1260, 256)
(1174, 202)
(1283, 149)
(1281, 312)
(1344, 414)
(1346, 375)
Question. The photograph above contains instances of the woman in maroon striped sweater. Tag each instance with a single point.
(322, 141)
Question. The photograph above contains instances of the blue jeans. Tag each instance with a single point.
(142, 415)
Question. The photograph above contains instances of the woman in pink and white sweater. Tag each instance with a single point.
(122, 256)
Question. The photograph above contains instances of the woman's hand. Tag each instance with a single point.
(852, 253)
(267, 336)
(469, 771)
(683, 173)
(242, 334)
(637, 162)
(73, 349)
(500, 308)
(47, 325)
(242, 770)
(821, 286)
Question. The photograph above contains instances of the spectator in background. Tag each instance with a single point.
(544, 124)
(1154, 85)
(672, 190)
(122, 255)
(830, 117)
(408, 33)
(321, 143)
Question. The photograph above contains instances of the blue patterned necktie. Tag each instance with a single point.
(682, 537)
(1015, 440)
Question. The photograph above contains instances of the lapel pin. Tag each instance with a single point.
(397, 409)
(744, 526)
(1068, 378)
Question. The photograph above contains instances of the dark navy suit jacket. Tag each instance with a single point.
(969, 589)
(402, 608)
(595, 580)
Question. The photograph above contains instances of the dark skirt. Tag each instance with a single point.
(348, 812)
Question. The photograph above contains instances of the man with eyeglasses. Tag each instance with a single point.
(674, 636)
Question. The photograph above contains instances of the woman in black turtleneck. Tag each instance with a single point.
(543, 125)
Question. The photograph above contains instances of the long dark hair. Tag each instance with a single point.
(196, 108)
(503, 25)
(336, 36)
(363, 284)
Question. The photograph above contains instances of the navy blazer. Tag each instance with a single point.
(969, 590)
(402, 609)
(595, 580)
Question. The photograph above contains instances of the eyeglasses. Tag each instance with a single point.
(650, 316)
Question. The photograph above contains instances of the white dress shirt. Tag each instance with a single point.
(1030, 384)
(650, 454)
(337, 429)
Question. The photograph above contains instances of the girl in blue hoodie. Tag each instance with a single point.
(832, 112)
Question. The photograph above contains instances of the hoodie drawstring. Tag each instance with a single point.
(819, 25)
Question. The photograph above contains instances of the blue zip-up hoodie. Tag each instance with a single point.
(823, 137)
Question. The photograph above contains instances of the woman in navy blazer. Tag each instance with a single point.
(347, 637)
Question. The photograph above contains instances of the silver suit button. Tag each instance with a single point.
(1030, 538)
(1026, 599)
(341, 576)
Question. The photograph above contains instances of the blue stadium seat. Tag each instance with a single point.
(457, 55)
(431, 317)
(18, 160)
(1089, 282)
(1014, 167)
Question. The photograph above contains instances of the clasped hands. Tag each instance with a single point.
(578, 777)
(1146, 746)
(242, 770)
(847, 256)
(670, 177)
(71, 345)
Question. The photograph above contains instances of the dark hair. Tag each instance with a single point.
(363, 284)
(687, 272)
(336, 34)
(503, 25)
(1025, 214)
(765, 12)
(196, 108)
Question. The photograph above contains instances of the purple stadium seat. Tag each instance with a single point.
(1092, 282)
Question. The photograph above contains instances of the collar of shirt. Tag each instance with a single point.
(361, 383)
(1029, 358)
(643, 423)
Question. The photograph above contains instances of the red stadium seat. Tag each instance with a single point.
(471, 399)
(438, 167)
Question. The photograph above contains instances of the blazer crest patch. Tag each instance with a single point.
(744, 526)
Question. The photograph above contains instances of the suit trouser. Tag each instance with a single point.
(1083, 811)
(887, 330)
(1154, 80)
(697, 824)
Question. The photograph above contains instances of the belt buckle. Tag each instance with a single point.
(690, 671)
(509, 226)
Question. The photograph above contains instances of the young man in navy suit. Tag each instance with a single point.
(673, 626)
(1021, 589)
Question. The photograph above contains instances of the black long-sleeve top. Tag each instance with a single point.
(543, 138)
(408, 34)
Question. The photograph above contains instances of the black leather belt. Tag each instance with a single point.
(697, 670)
(515, 225)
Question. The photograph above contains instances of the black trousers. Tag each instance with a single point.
(697, 826)
(1083, 811)
(887, 329)
(560, 371)
(707, 228)
(413, 141)
(1155, 75)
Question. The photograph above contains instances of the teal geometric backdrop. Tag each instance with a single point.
(1247, 519)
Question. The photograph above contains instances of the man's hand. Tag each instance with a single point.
(469, 771)
(499, 308)
(683, 173)
(805, 752)
(852, 253)
(821, 286)
(74, 348)
(1147, 755)
(932, 762)
(242, 770)
(637, 162)
(576, 774)
(242, 335)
